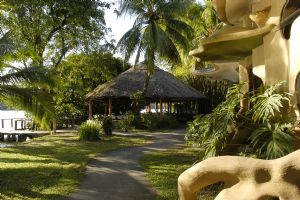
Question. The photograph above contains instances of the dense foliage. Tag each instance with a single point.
(44, 31)
(265, 129)
(202, 17)
(90, 130)
(78, 75)
(154, 121)
(215, 90)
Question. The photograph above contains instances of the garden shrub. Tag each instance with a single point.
(150, 121)
(126, 123)
(107, 125)
(90, 130)
(153, 121)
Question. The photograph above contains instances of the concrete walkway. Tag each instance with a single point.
(118, 175)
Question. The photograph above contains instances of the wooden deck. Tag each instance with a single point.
(20, 135)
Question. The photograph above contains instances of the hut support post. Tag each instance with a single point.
(110, 106)
(197, 107)
(148, 108)
(90, 109)
(161, 106)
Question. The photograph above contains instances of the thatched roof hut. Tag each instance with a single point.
(162, 86)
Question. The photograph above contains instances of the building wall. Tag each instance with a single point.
(295, 60)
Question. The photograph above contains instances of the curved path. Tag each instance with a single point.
(118, 176)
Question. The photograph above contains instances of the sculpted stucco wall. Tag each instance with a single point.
(244, 178)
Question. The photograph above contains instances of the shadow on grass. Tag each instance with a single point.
(50, 167)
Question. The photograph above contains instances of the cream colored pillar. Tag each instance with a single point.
(295, 63)
(244, 78)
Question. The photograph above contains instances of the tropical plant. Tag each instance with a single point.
(90, 130)
(268, 104)
(157, 30)
(212, 132)
(272, 113)
(269, 115)
(274, 140)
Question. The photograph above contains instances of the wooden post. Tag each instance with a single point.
(197, 107)
(90, 109)
(161, 106)
(110, 106)
(148, 107)
(156, 107)
(105, 107)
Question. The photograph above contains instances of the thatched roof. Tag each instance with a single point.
(161, 85)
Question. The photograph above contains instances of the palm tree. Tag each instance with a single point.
(158, 30)
(26, 88)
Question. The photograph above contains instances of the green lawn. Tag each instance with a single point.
(51, 166)
(163, 169)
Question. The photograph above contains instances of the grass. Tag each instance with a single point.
(163, 169)
(52, 166)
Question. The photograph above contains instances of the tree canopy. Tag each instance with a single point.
(45, 30)
(78, 75)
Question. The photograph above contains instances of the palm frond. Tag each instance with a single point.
(180, 27)
(6, 44)
(31, 75)
(166, 47)
(129, 42)
(132, 7)
(178, 39)
(35, 101)
(176, 7)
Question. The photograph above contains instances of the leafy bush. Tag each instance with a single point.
(126, 123)
(107, 125)
(270, 114)
(90, 130)
(150, 121)
(153, 121)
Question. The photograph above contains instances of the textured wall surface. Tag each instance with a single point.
(244, 178)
